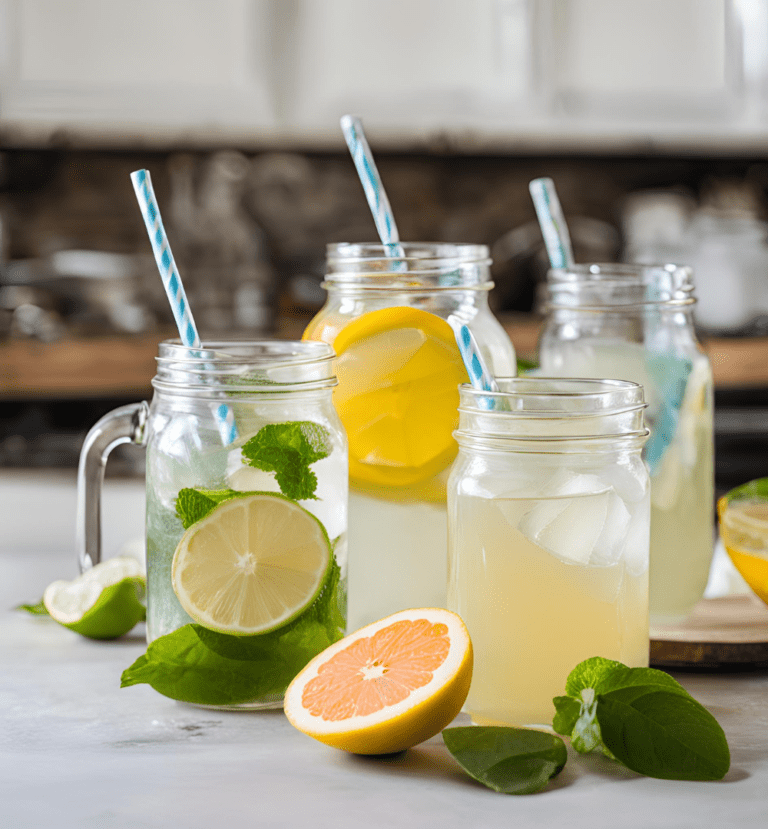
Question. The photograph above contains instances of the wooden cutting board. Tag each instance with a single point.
(729, 633)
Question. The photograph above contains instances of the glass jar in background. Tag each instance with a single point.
(635, 322)
(246, 478)
(389, 319)
(548, 505)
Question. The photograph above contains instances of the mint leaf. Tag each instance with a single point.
(38, 609)
(198, 665)
(194, 504)
(588, 674)
(642, 717)
(288, 450)
(507, 760)
(568, 710)
(664, 734)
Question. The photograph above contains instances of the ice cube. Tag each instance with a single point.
(629, 481)
(247, 478)
(611, 542)
(568, 528)
(638, 542)
(565, 483)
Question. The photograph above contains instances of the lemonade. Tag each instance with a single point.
(635, 324)
(548, 540)
(399, 369)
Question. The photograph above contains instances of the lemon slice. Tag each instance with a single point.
(399, 370)
(104, 602)
(386, 687)
(251, 565)
(743, 514)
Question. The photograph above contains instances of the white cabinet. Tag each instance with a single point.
(138, 67)
(530, 74)
(409, 65)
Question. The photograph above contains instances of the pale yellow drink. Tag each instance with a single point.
(682, 482)
(534, 615)
(548, 537)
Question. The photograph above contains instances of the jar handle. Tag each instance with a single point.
(126, 424)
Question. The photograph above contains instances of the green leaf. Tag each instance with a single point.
(662, 733)
(756, 490)
(288, 450)
(194, 504)
(195, 664)
(641, 680)
(38, 609)
(568, 710)
(181, 667)
(588, 674)
(507, 760)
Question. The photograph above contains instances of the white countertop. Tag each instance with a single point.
(77, 751)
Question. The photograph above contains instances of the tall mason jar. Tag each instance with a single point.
(391, 320)
(548, 506)
(635, 322)
(246, 519)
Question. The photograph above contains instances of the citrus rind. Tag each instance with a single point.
(286, 544)
(405, 723)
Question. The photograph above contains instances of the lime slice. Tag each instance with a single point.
(251, 565)
(104, 602)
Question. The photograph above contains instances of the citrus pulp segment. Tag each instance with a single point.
(104, 602)
(388, 686)
(251, 565)
(399, 370)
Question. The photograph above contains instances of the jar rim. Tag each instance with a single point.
(602, 285)
(351, 252)
(552, 410)
(255, 367)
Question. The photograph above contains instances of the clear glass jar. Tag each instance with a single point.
(635, 322)
(389, 320)
(246, 478)
(548, 507)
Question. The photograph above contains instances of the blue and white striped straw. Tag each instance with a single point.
(182, 313)
(383, 217)
(352, 127)
(552, 222)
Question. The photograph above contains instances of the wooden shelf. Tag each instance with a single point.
(125, 366)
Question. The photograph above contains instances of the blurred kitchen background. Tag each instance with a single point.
(650, 115)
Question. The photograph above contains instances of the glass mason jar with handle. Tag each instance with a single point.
(246, 478)
(635, 322)
(548, 507)
(392, 322)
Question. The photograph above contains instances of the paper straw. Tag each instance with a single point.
(552, 222)
(383, 217)
(174, 289)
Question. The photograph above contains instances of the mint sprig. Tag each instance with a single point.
(288, 450)
(644, 719)
(507, 760)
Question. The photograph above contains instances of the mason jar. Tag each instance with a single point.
(635, 322)
(246, 516)
(548, 507)
(392, 320)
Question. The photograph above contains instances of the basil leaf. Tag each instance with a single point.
(662, 733)
(507, 760)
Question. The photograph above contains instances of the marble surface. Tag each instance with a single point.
(77, 751)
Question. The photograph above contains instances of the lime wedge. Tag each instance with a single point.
(251, 565)
(104, 602)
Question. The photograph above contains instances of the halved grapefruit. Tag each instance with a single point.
(386, 687)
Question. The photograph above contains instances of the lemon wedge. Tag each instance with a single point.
(399, 370)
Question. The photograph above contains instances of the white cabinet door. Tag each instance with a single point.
(117, 66)
(404, 65)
